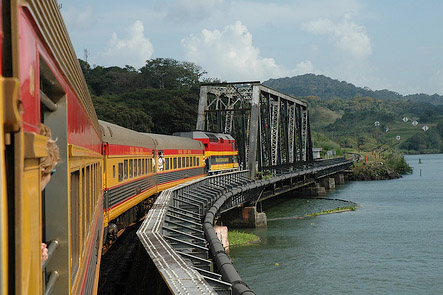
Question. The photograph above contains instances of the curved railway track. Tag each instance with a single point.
(118, 262)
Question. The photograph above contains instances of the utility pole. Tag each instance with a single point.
(86, 54)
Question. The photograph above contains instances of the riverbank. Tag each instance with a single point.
(383, 166)
(373, 171)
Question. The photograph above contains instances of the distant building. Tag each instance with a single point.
(316, 153)
(331, 154)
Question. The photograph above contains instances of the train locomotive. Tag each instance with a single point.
(108, 175)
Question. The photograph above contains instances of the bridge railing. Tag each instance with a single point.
(173, 235)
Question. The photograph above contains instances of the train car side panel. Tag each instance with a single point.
(81, 131)
(29, 71)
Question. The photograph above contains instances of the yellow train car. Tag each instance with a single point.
(140, 165)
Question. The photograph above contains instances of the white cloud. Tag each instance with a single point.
(304, 67)
(78, 19)
(134, 50)
(230, 55)
(350, 38)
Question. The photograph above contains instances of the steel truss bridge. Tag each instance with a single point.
(270, 128)
(273, 135)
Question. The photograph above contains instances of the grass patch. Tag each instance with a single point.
(237, 238)
(340, 209)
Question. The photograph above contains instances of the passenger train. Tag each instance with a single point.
(108, 175)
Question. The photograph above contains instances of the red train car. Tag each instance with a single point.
(220, 150)
(43, 83)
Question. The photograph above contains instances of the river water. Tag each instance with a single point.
(392, 244)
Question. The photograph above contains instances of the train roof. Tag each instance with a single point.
(205, 134)
(174, 142)
(52, 27)
(115, 134)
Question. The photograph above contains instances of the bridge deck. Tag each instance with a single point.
(178, 232)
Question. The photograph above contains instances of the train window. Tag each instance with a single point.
(179, 163)
(187, 161)
(175, 163)
(74, 223)
(194, 161)
(88, 197)
(198, 161)
(120, 171)
(143, 166)
(83, 196)
(113, 171)
(135, 167)
(139, 167)
(126, 169)
(130, 168)
(183, 162)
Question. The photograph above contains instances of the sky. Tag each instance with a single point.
(380, 44)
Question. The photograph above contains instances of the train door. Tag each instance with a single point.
(55, 197)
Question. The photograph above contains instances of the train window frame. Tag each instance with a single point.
(120, 171)
(125, 169)
(83, 202)
(88, 198)
(74, 224)
(131, 167)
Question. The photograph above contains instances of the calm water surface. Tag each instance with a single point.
(392, 244)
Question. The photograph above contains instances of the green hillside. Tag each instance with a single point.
(162, 97)
(327, 88)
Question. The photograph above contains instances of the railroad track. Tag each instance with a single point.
(117, 262)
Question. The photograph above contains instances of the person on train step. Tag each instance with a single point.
(47, 165)
(161, 161)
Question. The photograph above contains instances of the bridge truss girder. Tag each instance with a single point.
(271, 128)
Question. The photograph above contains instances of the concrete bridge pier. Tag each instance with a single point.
(315, 190)
(244, 217)
(339, 178)
(327, 182)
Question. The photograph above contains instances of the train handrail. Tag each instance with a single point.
(51, 282)
(53, 245)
